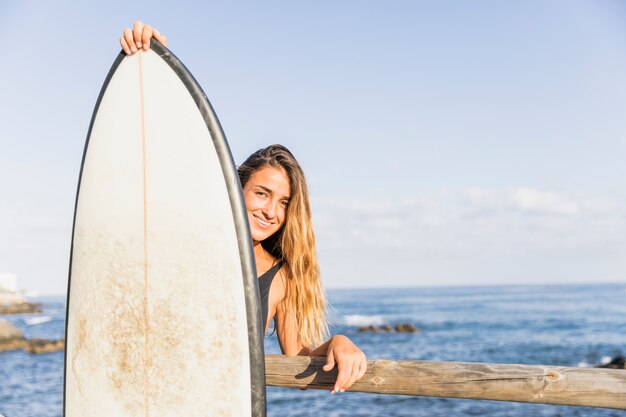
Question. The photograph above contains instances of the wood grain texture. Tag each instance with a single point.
(588, 387)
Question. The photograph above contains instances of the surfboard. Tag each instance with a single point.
(163, 315)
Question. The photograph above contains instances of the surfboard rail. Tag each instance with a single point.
(558, 385)
(162, 282)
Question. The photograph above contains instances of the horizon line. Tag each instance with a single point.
(429, 285)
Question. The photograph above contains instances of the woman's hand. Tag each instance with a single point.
(350, 360)
(139, 37)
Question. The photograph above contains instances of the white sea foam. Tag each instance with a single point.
(362, 320)
(583, 364)
(605, 360)
(31, 321)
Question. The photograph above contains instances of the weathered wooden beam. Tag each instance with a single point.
(589, 387)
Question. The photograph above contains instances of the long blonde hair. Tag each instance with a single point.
(294, 243)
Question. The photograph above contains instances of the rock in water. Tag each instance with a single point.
(406, 328)
(20, 308)
(8, 331)
(43, 345)
(11, 337)
(383, 328)
(400, 327)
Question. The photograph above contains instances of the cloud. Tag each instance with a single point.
(525, 200)
(484, 200)
(600, 207)
(542, 202)
(379, 223)
(472, 222)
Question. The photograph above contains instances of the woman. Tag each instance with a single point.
(277, 204)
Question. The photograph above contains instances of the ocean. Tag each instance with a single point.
(567, 325)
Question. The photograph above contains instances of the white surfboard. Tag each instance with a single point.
(163, 312)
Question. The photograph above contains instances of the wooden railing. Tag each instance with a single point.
(589, 387)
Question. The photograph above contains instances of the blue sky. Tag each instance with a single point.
(445, 142)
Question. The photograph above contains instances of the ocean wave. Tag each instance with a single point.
(362, 320)
(605, 360)
(32, 321)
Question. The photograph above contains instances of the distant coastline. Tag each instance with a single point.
(13, 302)
(12, 298)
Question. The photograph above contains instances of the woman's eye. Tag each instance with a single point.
(261, 194)
(284, 203)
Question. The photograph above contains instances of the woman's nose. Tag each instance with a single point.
(269, 209)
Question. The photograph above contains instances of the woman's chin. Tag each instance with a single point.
(260, 236)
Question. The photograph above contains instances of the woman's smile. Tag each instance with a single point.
(262, 222)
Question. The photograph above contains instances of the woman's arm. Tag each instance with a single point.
(139, 37)
(286, 324)
(339, 350)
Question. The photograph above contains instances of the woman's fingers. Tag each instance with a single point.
(124, 45)
(157, 35)
(354, 375)
(351, 369)
(146, 34)
(350, 360)
(139, 38)
(130, 41)
(137, 30)
(329, 365)
(343, 376)
(330, 361)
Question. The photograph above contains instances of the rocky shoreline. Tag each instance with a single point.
(618, 362)
(12, 338)
(20, 308)
(400, 328)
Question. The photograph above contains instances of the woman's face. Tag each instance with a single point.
(266, 194)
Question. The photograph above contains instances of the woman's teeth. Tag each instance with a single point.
(263, 223)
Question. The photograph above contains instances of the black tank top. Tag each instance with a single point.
(265, 281)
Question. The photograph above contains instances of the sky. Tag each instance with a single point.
(445, 143)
